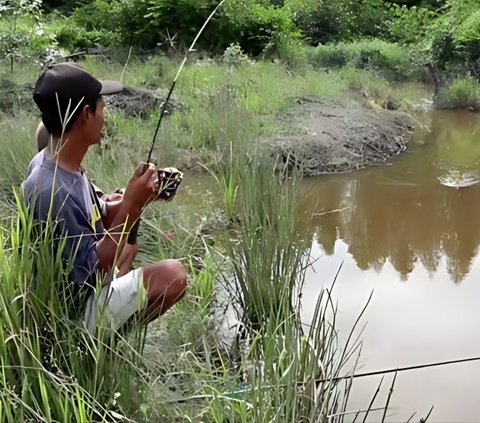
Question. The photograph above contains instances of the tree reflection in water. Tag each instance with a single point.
(400, 212)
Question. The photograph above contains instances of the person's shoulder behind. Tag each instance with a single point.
(38, 177)
(44, 180)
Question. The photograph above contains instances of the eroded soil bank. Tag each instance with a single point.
(340, 136)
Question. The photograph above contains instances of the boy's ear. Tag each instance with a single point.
(84, 114)
(88, 110)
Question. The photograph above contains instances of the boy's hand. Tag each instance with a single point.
(142, 187)
(110, 198)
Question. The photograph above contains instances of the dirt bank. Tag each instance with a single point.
(328, 137)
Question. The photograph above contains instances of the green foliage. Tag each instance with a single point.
(454, 39)
(52, 369)
(467, 37)
(180, 20)
(63, 5)
(269, 260)
(22, 35)
(73, 36)
(447, 38)
(295, 54)
(323, 21)
(233, 56)
(390, 60)
(109, 22)
(253, 24)
(409, 25)
(259, 26)
(462, 93)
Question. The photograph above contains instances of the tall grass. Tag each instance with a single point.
(462, 93)
(17, 145)
(390, 60)
(52, 369)
(280, 361)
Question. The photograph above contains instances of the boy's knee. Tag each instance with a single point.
(167, 278)
(179, 277)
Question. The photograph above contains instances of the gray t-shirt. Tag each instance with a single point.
(68, 200)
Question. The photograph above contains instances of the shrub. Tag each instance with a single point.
(322, 21)
(233, 56)
(109, 22)
(294, 53)
(22, 34)
(448, 39)
(255, 25)
(409, 25)
(259, 27)
(390, 60)
(463, 93)
(467, 37)
(64, 5)
(72, 36)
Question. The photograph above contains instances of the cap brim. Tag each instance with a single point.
(111, 87)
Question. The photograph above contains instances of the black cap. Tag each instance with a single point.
(66, 86)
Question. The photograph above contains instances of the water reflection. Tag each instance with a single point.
(398, 223)
(400, 212)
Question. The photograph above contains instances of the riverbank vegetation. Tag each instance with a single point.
(435, 40)
(235, 349)
(191, 366)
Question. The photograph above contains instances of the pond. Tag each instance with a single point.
(414, 242)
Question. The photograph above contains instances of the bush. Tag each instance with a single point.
(322, 21)
(449, 39)
(467, 37)
(294, 54)
(390, 60)
(260, 28)
(463, 93)
(253, 24)
(233, 56)
(107, 22)
(73, 36)
(64, 5)
(409, 25)
(24, 38)
(180, 20)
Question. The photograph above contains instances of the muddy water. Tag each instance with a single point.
(415, 244)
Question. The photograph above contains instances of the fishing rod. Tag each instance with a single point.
(336, 379)
(172, 87)
(397, 369)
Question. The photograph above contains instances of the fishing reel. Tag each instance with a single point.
(169, 179)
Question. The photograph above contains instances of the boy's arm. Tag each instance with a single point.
(112, 208)
(139, 191)
(125, 262)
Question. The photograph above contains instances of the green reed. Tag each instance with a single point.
(281, 359)
(52, 368)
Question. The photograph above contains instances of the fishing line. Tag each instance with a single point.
(397, 369)
(333, 379)
(164, 105)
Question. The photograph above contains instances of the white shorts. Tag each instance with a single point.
(116, 302)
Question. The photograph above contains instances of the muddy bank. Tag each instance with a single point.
(134, 102)
(329, 137)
